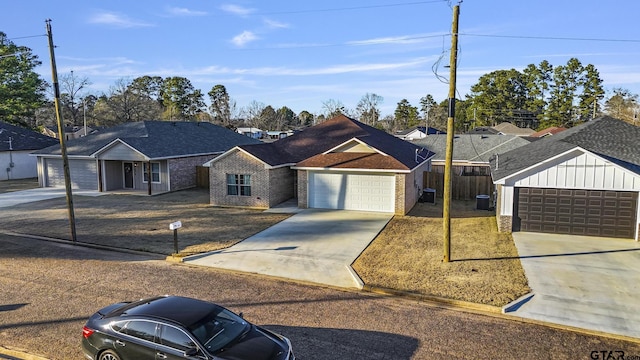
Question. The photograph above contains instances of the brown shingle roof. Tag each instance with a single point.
(326, 136)
(548, 131)
(352, 160)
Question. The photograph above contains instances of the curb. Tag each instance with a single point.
(460, 304)
(495, 311)
(517, 303)
(19, 354)
(83, 244)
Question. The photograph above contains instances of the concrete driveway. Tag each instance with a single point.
(585, 282)
(314, 245)
(39, 194)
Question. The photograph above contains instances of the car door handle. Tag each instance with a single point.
(161, 355)
(120, 343)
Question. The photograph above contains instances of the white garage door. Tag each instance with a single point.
(83, 174)
(349, 191)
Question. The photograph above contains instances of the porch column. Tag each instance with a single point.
(149, 177)
(100, 180)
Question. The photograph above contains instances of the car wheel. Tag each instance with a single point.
(108, 355)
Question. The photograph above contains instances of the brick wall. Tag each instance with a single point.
(401, 188)
(413, 187)
(504, 222)
(239, 163)
(281, 185)
(182, 171)
(303, 181)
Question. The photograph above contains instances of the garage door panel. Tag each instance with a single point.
(83, 173)
(580, 202)
(366, 192)
(578, 212)
(626, 204)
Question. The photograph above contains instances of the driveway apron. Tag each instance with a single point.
(585, 282)
(39, 194)
(315, 245)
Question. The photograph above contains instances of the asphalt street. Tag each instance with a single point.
(48, 290)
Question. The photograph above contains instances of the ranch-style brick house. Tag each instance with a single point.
(339, 164)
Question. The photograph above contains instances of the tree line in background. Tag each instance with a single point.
(537, 97)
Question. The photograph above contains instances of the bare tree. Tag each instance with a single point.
(125, 103)
(367, 110)
(252, 113)
(72, 106)
(332, 108)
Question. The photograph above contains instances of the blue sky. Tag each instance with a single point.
(302, 54)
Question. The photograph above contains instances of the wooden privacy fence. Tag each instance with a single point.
(462, 187)
(202, 177)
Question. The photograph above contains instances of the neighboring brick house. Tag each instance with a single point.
(581, 181)
(339, 164)
(126, 156)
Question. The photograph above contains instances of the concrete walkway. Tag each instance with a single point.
(39, 194)
(585, 282)
(314, 245)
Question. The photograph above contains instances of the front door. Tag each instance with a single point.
(128, 175)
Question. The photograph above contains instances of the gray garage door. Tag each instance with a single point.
(83, 174)
(576, 212)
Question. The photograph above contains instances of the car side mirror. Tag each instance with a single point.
(191, 352)
(241, 315)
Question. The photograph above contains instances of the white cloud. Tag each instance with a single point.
(330, 70)
(176, 11)
(236, 9)
(244, 38)
(275, 24)
(406, 39)
(116, 20)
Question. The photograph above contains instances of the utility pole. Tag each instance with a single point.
(446, 206)
(63, 148)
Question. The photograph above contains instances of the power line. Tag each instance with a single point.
(26, 37)
(352, 8)
(390, 40)
(552, 38)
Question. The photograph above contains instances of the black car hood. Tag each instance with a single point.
(256, 344)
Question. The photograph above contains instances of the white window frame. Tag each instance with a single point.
(144, 172)
(240, 181)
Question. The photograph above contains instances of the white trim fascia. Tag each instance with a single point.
(95, 153)
(55, 156)
(231, 151)
(503, 180)
(351, 170)
(422, 163)
(183, 156)
(269, 167)
(460, 162)
(357, 140)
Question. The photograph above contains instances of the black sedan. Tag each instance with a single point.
(174, 327)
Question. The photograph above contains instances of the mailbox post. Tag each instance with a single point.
(175, 226)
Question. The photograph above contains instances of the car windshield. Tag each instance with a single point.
(218, 330)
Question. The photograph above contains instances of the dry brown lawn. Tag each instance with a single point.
(408, 253)
(141, 222)
(19, 184)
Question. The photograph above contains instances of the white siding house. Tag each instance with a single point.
(583, 181)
